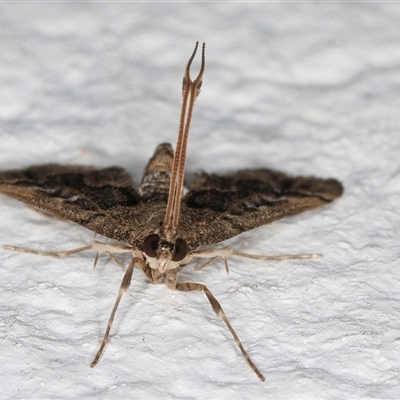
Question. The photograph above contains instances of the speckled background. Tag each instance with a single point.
(306, 88)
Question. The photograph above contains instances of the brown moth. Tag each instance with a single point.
(162, 224)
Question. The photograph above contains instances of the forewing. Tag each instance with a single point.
(221, 206)
(102, 200)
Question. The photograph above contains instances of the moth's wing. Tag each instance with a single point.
(102, 200)
(219, 207)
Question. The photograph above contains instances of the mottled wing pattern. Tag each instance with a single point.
(102, 200)
(216, 208)
(219, 207)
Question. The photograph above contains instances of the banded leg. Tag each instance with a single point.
(100, 247)
(126, 282)
(214, 254)
(199, 287)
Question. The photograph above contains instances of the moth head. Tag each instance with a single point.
(163, 254)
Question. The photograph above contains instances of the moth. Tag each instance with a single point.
(162, 224)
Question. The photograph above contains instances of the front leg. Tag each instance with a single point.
(199, 287)
(126, 282)
(153, 275)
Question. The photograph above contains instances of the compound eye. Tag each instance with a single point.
(150, 245)
(181, 250)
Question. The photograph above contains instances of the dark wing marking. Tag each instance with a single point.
(221, 206)
(102, 200)
(217, 208)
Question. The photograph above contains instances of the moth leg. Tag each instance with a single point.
(277, 258)
(96, 258)
(224, 252)
(100, 247)
(115, 259)
(211, 260)
(98, 252)
(199, 287)
(126, 281)
(153, 275)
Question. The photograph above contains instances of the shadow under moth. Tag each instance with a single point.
(163, 224)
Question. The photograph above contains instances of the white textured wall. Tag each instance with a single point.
(306, 88)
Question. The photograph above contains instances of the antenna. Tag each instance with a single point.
(190, 91)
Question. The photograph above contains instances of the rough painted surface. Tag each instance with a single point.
(303, 88)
